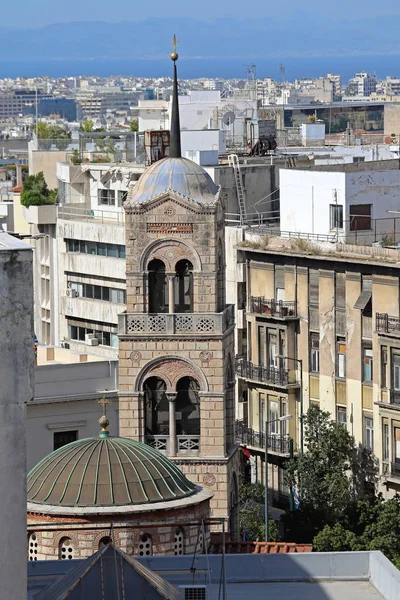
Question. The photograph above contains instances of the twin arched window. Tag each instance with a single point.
(66, 550)
(145, 545)
(159, 289)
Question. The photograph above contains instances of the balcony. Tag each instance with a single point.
(278, 309)
(387, 324)
(187, 445)
(277, 443)
(394, 396)
(177, 323)
(278, 376)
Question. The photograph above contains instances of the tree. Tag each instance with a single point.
(51, 132)
(251, 514)
(330, 476)
(134, 125)
(87, 125)
(36, 191)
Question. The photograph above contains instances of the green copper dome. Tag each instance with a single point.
(106, 471)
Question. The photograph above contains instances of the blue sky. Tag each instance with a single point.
(36, 13)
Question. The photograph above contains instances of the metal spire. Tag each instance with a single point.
(175, 131)
(103, 421)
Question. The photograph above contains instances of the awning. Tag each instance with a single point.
(363, 299)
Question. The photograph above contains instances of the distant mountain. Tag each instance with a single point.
(301, 34)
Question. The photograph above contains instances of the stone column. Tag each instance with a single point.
(171, 295)
(171, 396)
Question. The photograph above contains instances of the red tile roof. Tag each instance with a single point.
(259, 547)
(18, 188)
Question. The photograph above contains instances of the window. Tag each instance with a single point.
(367, 365)
(341, 416)
(357, 159)
(106, 197)
(314, 353)
(66, 549)
(369, 433)
(397, 444)
(396, 372)
(62, 438)
(341, 360)
(313, 299)
(95, 248)
(105, 541)
(145, 545)
(336, 216)
(261, 346)
(122, 194)
(32, 547)
(360, 217)
(106, 338)
(385, 441)
(273, 415)
(179, 542)
(97, 292)
(384, 367)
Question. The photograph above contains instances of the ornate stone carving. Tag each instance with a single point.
(209, 479)
(205, 356)
(136, 356)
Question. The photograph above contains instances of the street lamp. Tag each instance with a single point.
(285, 418)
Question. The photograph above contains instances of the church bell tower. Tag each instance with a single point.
(176, 338)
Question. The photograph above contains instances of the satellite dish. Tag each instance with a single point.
(241, 84)
(229, 118)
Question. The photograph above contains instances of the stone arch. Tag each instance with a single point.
(73, 535)
(171, 369)
(104, 533)
(170, 251)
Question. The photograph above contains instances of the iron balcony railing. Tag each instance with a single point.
(387, 324)
(278, 443)
(273, 308)
(272, 375)
(394, 396)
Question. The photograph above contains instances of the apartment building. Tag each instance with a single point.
(323, 328)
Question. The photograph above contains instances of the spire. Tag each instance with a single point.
(175, 139)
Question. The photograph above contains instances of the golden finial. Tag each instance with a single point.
(174, 55)
(103, 421)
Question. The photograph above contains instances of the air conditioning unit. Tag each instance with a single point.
(64, 345)
(91, 340)
(71, 293)
(193, 592)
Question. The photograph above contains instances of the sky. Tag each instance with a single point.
(37, 13)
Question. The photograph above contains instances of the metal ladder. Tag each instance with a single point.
(233, 162)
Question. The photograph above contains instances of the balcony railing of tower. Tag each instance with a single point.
(279, 375)
(276, 442)
(273, 308)
(187, 445)
(177, 323)
(78, 213)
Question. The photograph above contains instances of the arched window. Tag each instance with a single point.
(187, 407)
(220, 277)
(156, 410)
(158, 287)
(66, 550)
(183, 292)
(32, 547)
(145, 545)
(105, 541)
(179, 542)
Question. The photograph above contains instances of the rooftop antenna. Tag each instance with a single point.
(175, 131)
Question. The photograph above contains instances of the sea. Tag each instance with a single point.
(226, 68)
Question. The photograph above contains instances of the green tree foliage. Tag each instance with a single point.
(134, 125)
(36, 191)
(87, 125)
(51, 132)
(330, 477)
(251, 514)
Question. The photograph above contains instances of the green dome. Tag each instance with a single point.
(106, 471)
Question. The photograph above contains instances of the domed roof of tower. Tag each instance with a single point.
(106, 472)
(179, 175)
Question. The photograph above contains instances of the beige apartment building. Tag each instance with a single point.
(323, 328)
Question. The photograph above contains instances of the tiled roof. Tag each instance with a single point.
(259, 548)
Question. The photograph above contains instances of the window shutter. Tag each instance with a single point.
(279, 277)
(340, 290)
(313, 287)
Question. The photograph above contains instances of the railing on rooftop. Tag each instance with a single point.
(273, 308)
(272, 375)
(176, 323)
(276, 442)
(78, 213)
(387, 324)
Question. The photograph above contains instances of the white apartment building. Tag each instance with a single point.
(349, 201)
(65, 406)
(362, 84)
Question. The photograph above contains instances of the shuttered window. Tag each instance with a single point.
(313, 287)
(340, 290)
(280, 283)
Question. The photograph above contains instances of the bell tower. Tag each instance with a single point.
(176, 338)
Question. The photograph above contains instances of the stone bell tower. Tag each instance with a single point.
(176, 338)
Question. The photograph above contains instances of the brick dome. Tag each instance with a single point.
(106, 472)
